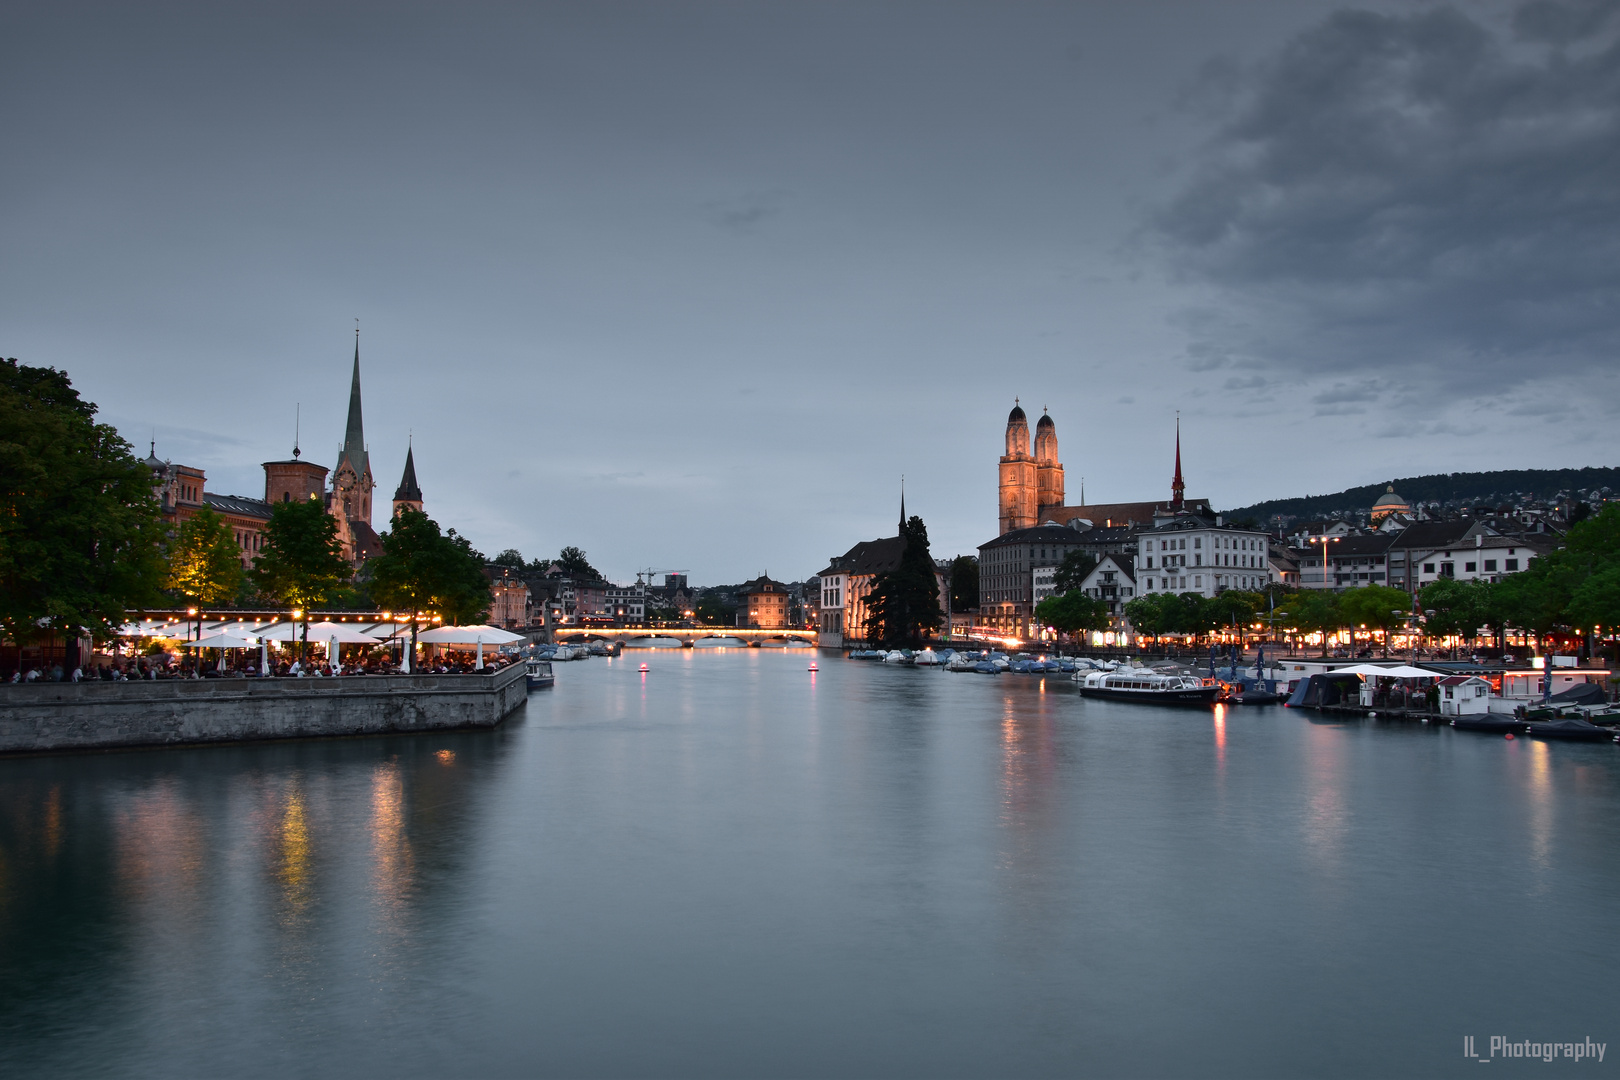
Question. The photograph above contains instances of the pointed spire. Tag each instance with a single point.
(354, 436)
(1178, 487)
(902, 504)
(407, 490)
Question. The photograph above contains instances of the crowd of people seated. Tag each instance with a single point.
(163, 666)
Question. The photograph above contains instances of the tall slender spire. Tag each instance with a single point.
(354, 436)
(1178, 487)
(902, 504)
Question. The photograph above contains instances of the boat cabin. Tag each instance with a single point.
(1463, 695)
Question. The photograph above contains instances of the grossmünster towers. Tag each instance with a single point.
(1030, 484)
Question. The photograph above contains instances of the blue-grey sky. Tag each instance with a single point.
(691, 285)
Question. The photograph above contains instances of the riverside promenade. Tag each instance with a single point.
(52, 717)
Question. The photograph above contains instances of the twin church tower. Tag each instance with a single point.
(1032, 484)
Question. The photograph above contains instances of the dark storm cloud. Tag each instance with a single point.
(1417, 191)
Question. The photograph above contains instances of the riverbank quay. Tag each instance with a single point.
(56, 717)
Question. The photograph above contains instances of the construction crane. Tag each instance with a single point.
(651, 570)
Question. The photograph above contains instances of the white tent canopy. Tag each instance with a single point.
(1400, 671)
(219, 641)
(468, 635)
(318, 631)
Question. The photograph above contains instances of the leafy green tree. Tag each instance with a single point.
(1460, 607)
(965, 583)
(1315, 610)
(1154, 614)
(1596, 601)
(1072, 571)
(205, 563)
(465, 597)
(1377, 607)
(81, 535)
(574, 564)
(1198, 615)
(425, 572)
(904, 602)
(403, 577)
(1073, 612)
(512, 558)
(301, 563)
(1235, 607)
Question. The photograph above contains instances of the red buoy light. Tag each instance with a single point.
(1509, 735)
(643, 667)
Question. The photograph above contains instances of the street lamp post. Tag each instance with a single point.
(1324, 540)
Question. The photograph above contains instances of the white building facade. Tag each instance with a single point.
(1195, 555)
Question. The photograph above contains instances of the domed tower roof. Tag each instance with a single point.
(1017, 432)
(1046, 450)
(1390, 503)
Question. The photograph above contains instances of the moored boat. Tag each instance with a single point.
(1148, 687)
(538, 674)
(1570, 729)
(1491, 725)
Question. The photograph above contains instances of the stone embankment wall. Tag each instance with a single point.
(95, 715)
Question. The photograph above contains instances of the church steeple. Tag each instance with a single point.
(1178, 487)
(408, 493)
(902, 531)
(350, 500)
(354, 435)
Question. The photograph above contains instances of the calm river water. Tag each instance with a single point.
(732, 867)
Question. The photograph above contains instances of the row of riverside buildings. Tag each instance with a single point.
(1177, 545)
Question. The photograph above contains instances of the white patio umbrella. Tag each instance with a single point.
(219, 641)
(318, 631)
(470, 635)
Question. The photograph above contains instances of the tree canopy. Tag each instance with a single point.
(301, 563)
(1072, 571)
(424, 571)
(965, 583)
(903, 605)
(81, 535)
(1072, 612)
(204, 561)
(574, 564)
(1377, 607)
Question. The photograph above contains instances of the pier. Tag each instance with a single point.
(49, 717)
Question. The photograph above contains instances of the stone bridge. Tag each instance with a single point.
(687, 635)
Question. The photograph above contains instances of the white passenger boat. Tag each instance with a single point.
(1147, 686)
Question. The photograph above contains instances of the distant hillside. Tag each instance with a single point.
(1455, 489)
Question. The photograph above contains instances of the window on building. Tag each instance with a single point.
(1512, 565)
(1428, 568)
(1469, 568)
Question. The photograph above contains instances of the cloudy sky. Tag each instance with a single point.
(691, 285)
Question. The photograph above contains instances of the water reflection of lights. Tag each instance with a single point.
(446, 757)
(294, 841)
(1220, 734)
(1540, 791)
(53, 821)
(393, 861)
